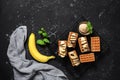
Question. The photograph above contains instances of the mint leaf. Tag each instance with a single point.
(40, 32)
(46, 40)
(40, 42)
(89, 26)
(45, 34)
(42, 29)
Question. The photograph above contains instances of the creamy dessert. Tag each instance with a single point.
(85, 28)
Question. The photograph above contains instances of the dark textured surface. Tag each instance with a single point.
(57, 16)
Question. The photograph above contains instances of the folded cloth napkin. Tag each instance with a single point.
(29, 69)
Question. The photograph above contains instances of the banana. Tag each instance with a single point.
(34, 51)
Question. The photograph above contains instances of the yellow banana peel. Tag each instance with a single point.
(34, 51)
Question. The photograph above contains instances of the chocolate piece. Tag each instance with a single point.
(72, 38)
(83, 44)
(87, 57)
(62, 48)
(74, 58)
(95, 44)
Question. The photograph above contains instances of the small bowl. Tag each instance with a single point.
(83, 33)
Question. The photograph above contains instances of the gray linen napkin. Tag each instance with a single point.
(29, 69)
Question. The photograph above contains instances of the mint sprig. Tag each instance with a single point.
(44, 34)
(89, 27)
(45, 39)
(40, 32)
(41, 42)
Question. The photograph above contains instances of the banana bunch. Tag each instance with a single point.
(34, 51)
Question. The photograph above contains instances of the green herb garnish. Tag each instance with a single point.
(42, 29)
(40, 32)
(40, 42)
(89, 27)
(45, 39)
(45, 34)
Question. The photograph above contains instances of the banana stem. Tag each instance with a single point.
(51, 57)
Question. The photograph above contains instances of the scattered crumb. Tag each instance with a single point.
(74, 0)
(7, 35)
(21, 5)
(6, 62)
(71, 4)
(18, 16)
(75, 16)
(101, 13)
(18, 11)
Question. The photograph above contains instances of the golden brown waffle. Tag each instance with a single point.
(95, 44)
(83, 44)
(74, 58)
(72, 38)
(87, 57)
(62, 48)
